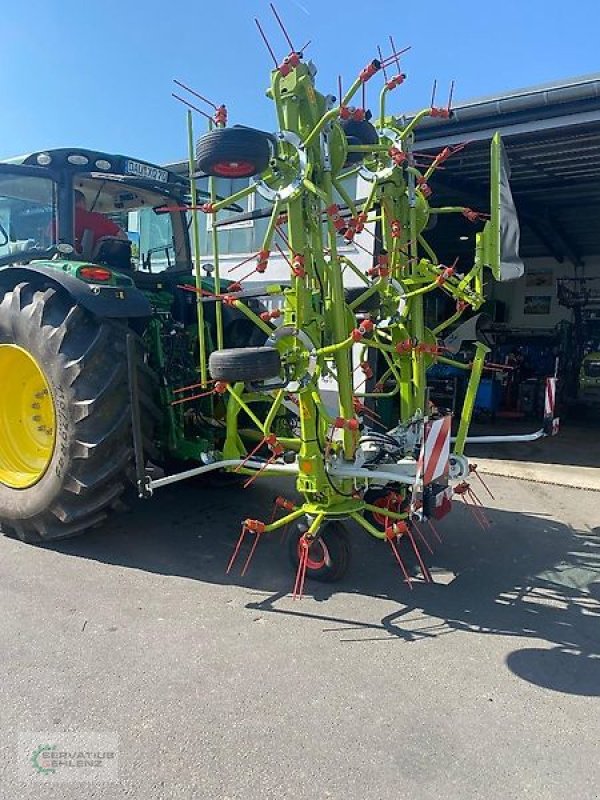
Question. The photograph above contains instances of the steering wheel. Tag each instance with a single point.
(28, 255)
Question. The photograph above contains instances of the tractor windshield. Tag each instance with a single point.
(591, 369)
(27, 213)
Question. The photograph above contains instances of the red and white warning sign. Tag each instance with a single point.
(434, 461)
(550, 400)
(551, 423)
(436, 449)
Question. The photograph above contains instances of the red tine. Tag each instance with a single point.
(382, 64)
(433, 91)
(474, 511)
(395, 55)
(282, 26)
(236, 550)
(450, 95)
(193, 397)
(196, 94)
(266, 41)
(283, 236)
(251, 553)
(424, 570)
(252, 478)
(434, 530)
(250, 454)
(191, 386)
(480, 507)
(191, 105)
(278, 248)
(301, 571)
(421, 536)
(484, 484)
(400, 562)
(245, 261)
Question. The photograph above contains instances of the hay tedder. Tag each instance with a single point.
(258, 406)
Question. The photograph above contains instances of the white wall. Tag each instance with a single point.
(513, 293)
(279, 269)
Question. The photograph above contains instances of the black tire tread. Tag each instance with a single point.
(92, 353)
(244, 364)
(233, 144)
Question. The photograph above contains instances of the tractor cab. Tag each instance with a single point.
(89, 206)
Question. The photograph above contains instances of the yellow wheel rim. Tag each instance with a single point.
(27, 419)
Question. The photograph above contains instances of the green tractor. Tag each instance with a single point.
(589, 380)
(96, 294)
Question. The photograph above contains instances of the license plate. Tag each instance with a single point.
(141, 170)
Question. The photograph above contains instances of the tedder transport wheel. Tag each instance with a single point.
(244, 364)
(329, 554)
(233, 152)
(65, 438)
(359, 132)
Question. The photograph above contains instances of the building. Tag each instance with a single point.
(552, 138)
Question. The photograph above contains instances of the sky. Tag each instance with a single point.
(98, 73)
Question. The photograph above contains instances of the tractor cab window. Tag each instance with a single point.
(241, 237)
(134, 216)
(157, 250)
(27, 213)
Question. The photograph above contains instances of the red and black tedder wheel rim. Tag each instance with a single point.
(234, 169)
(388, 502)
(328, 554)
(318, 555)
(387, 499)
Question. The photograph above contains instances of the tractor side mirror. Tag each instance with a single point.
(501, 233)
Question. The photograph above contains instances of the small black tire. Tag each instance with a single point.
(249, 364)
(370, 303)
(233, 152)
(359, 132)
(329, 554)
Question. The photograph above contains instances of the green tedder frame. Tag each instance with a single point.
(320, 334)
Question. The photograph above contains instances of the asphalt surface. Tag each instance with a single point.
(483, 685)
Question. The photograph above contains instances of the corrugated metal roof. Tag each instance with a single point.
(552, 138)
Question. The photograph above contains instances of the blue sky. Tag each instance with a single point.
(97, 73)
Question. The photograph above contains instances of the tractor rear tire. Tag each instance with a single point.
(233, 152)
(329, 555)
(62, 477)
(248, 364)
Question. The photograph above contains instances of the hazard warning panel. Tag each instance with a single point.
(436, 449)
(434, 460)
(551, 423)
